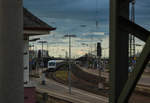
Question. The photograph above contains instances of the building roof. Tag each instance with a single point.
(31, 22)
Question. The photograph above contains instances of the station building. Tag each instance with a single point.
(33, 26)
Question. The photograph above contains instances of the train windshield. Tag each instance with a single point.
(52, 63)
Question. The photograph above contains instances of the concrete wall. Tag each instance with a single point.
(11, 51)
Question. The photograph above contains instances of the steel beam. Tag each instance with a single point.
(118, 48)
(133, 28)
(120, 25)
(11, 52)
(136, 74)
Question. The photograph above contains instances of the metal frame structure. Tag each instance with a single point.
(69, 62)
(120, 28)
(131, 37)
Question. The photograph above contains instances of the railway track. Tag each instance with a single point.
(140, 88)
(143, 89)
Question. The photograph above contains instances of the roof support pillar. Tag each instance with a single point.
(118, 48)
(11, 52)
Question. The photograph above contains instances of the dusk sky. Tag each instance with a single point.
(68, 16)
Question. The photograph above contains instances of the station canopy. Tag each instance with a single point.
(34, 26)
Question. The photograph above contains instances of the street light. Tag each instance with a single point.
(34, 40)
(42, 42)
(43, 74)
(69, 77)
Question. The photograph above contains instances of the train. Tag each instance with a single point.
(52, 65)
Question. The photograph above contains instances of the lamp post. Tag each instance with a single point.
(43, 74)
(34, 53)
(42, 42)
(69, 73)
(34, 40)
(99, 54)
(47, 46)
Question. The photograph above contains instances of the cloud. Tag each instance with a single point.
(68, 16)
(142, 13)
(74, 9)
(94, 33)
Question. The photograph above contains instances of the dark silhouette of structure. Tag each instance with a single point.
(11, 52)
(122, 86)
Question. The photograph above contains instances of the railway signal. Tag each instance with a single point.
(99, 49)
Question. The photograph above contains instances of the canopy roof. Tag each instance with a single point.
(31, 22)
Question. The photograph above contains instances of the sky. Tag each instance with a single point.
(79, 17)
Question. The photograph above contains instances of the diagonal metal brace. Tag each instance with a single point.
(136, 74)
(133, 28)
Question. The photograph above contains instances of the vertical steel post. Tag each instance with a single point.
(11, 51)
(42, 50)
(47, 46)
(131, 36)
(100, 85)
(118, 48)
(69, 64)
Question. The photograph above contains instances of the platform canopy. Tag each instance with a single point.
(34, 26)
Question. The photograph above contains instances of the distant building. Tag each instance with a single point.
(32, 26)
(34, 53)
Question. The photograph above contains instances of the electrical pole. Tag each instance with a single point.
(99, 62)
(43, 74)
(47, 50)
(131, 37)
(70, 64)
(11, 51)
(99, 54)
(69, 73)
(42, 42)
(42, 47)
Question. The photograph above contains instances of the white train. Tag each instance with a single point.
(52, 65)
